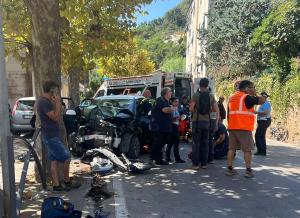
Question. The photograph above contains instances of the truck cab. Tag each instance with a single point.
(180, 83)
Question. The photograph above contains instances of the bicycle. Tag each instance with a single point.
(279, 133)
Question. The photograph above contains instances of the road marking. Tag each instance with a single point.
(270, 168)
(120, 202)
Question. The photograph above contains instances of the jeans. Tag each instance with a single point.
(213, 123)
(173, 142)
(56, 149)
(200, 142)
(260, 135)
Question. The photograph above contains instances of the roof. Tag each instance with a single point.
(27, 99)
(120, 97)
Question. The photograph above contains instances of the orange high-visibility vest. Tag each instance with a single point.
(239, 116)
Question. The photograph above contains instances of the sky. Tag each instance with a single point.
(157, 9)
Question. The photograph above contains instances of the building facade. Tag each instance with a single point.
(195, 50)
(19, 81)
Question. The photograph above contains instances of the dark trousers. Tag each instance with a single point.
(200, 142)
(159, 140)
(213, 123)
(260, 135)
(174, 142)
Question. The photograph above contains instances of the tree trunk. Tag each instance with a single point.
(45, 49)
(74, 76)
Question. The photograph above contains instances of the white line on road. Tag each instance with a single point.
(120, 202)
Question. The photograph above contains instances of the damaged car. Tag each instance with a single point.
(116, 121)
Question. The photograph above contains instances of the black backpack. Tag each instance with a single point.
(204, 106)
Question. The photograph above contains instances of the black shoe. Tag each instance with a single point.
(180, 161)
(169, 160)
(257, 153)
(263, 154)
(60, 188)
(72, 184)
(162, 162)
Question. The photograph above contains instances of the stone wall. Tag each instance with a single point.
(291, 124)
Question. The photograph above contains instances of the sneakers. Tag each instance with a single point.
(72, 184)
(249, 174)
(60, 188)
(230, 172)
(195, 167)
(151, 163)
(168, 159)
(203, 167)
(180, 161)
(162, 162)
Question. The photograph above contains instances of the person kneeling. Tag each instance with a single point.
(220, 142)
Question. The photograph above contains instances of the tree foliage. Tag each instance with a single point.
(231, 24)
(174, 64)
(278, 37)
(164, 37)
(17, 31)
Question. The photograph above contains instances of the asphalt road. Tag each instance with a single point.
(177, 191)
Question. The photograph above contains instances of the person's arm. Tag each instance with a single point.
(167, 110)
(250, 101)
(220, 139)
(192, 106)
(55, 114)
(261, 112)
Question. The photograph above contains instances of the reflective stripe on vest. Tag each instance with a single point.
(240, 118)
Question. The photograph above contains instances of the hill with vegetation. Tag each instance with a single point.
(164, 38)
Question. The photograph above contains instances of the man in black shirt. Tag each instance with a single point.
(161, 125)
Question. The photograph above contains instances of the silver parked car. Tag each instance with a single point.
(21, 115)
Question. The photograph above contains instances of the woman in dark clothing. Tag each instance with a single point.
(174, 140)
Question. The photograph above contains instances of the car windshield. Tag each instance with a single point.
(111, 107)
(24, 105)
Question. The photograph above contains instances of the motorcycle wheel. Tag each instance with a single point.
(134, 148)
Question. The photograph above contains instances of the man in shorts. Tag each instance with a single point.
(241, 120)
(49, 111)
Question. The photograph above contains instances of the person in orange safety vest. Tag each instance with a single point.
(241, 120)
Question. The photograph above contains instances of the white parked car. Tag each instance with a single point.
(21, 115)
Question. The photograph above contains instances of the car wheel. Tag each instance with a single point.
(134, 148)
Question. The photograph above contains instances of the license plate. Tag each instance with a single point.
(27, 116)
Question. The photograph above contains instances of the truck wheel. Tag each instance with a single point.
(134, 148)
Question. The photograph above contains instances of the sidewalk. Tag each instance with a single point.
(34, 195)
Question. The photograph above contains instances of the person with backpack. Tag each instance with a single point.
(202, 104)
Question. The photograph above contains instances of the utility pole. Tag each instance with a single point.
(6, 148)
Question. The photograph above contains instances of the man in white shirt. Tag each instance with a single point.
(263, 123)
